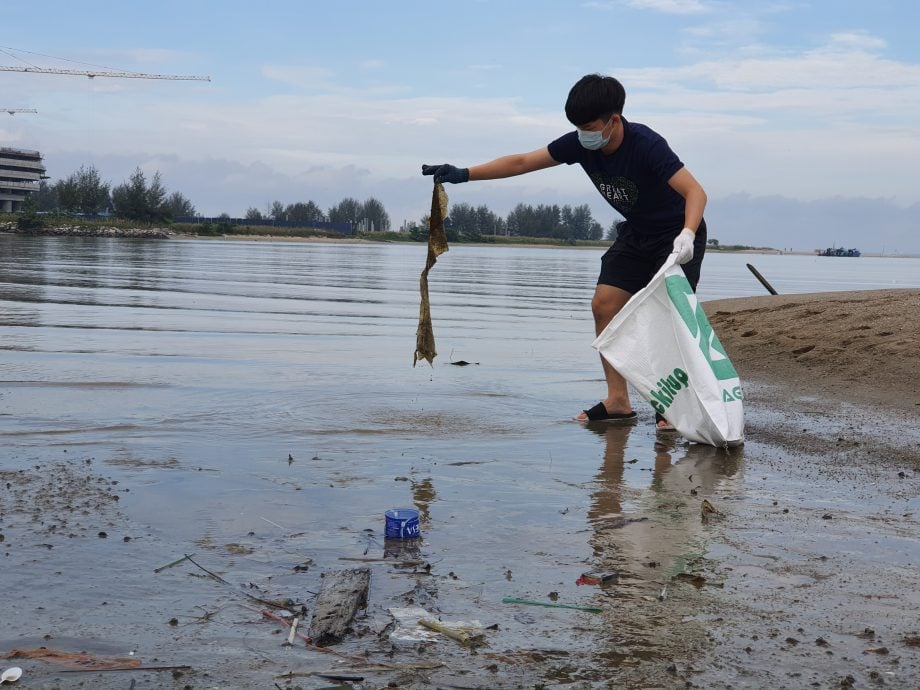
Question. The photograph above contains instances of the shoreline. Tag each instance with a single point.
(79, 231)
(167, 234)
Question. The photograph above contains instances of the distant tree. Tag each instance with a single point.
(489, 223)
(374, 216)
(80, 192)
(130, 198)
(156, 198)
(304, 213)
(348, 210)
(463, 222)
(575, 223)
(519, 219)
(179, 207)
(28, 219)
(541, 221)
(614, 230)
(135, 200)
(68, 194)
(469, 224)
(45, 198)
(713, 242)
(567, 230)
(418, 232)
(224, 226)
(276, 211)
(93, 194)
(252, 213)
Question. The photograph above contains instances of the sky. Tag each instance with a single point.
(801, 119)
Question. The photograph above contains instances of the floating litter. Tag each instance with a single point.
(402, 523)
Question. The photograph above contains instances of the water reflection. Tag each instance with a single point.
(22, 279)
(638, 519)
(647, 526)
(403, 549)
(423, 494)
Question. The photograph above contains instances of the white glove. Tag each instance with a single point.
(683, 245)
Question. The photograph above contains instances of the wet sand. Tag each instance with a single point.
(806, 577)
(823, 564)
(860, 347)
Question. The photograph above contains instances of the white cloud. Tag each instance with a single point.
(669, 6)
(663, 6)
(732, 35)
(304, 77)
(859, 40)
(320, 80)
(824, 68)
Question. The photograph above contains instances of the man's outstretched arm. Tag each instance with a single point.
(515, 164)
(506, 166)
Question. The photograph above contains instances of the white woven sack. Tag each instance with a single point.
(662, 343)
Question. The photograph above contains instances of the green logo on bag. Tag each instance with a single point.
(685, 301)
(662, 398)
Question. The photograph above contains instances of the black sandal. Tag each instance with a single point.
(599, 413)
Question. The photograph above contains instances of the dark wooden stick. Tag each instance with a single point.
(266, 602)
(763, 281)
(174, 563)
(125, 668)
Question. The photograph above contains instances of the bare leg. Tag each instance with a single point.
(607, 302)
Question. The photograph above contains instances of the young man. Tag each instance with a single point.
(638, 174)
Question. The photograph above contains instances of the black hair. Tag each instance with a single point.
(594, 97)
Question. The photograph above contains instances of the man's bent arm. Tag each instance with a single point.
(515, 164)
(694, 196)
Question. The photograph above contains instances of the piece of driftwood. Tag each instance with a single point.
(342, 594)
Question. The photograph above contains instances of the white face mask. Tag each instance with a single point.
(594, 140)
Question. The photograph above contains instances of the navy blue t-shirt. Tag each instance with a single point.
(633, 179)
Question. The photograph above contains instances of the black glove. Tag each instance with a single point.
(447, 173)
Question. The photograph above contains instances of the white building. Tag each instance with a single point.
(21, 173)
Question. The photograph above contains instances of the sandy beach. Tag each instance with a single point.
(862, 347)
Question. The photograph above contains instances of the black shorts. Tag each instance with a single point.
(634, 259)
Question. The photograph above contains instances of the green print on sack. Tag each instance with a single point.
(662, 397)
(694, 317)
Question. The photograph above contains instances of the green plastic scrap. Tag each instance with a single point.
(590, 609)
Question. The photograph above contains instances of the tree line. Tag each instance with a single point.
(148, 201)
(466, 223)
(138, 199)
(366, 216)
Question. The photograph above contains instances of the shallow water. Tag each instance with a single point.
(307, 339)
(262, 394)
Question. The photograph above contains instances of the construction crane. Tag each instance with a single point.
(97, 71)
(13, 111)
(101, 73)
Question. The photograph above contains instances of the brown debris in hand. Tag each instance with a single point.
(437, 245)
